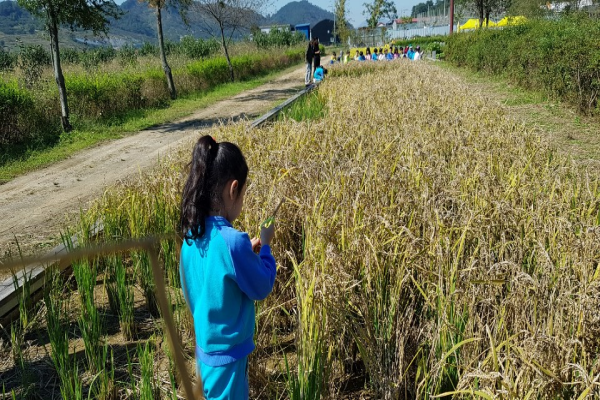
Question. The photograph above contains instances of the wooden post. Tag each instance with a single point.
(451, 16)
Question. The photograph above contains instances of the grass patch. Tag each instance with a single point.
(309, 107)
(19, 160)
(561, 123)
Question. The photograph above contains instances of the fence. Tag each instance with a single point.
(379, 36)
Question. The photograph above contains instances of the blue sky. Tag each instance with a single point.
(354, 7)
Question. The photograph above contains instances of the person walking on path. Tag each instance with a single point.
(308, 57)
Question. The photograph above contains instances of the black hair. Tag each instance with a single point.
(375, 50)
(213, 165)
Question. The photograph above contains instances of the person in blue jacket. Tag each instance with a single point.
(319, 73)
(411, 53)
(222, 271)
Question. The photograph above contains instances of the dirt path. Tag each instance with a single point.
(34, 207)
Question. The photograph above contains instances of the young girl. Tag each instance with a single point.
(221, 274)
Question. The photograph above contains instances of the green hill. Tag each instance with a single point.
(137, 25)
(300, 12)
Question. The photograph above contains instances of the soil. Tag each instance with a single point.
(35, 207)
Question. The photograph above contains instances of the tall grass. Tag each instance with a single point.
(111, 91)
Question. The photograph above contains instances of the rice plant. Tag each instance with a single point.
(56, 319)
(90, 321)
(147, 384)
(120, 295)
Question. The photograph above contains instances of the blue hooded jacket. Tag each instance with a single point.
(221, 277)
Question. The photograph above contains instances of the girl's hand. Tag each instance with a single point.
(267, 232)
(255, 244)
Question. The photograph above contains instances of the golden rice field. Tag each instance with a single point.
(430, 245)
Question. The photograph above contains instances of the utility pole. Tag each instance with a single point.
(334, 40)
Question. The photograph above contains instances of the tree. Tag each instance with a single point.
(159, 5)
(485, 8)
(379, 9)
(528, 8)
(227, 17)
(341, 22)
(76, 14)
(494, 6)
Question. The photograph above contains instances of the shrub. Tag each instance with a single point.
(560, 57)
(7, 60)
(23, 117)
(14, 103)
(419, 41)
(32, 60)
(69, 55)
(148, 49)
(92, 58)
(198, 48)
(127, 55)
(277, 38)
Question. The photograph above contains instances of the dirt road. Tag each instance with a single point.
(34, 207)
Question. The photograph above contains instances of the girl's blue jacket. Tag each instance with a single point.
(221, 277)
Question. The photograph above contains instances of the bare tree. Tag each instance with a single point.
(158, 6)
(225, 18)
(84, 14)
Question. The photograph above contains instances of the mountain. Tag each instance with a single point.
(300, 12)
(137, 25)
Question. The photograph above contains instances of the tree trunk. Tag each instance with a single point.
(487, 18)
(480, 8)
(58, 75)
(163, 57)
(226, 53)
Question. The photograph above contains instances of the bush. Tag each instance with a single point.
(127, 55)
(69, 55)
(198, 48)
(148, 49)
(92, 58)
(277, 38)
(7, 60)
(560, 58)
(21, 118)
(32, 60)
(419, 41)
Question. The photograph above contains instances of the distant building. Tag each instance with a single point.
(324, 31)
(561, 6)
(305, 29)
(281, 27)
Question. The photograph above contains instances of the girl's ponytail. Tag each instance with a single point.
(213, 165)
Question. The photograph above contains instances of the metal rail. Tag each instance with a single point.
(275, 111)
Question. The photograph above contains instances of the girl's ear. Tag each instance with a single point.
(233, 189)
